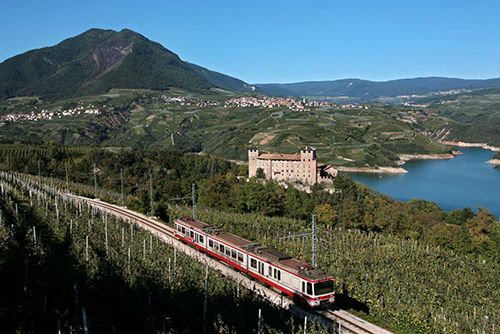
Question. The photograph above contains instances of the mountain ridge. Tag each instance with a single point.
(98, 60)
(369, 90)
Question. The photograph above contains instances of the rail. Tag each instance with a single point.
(339, 321)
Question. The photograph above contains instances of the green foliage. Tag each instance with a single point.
(94, 62)
(260, 173)
(127, 279)
(470, 117)
(409, 286)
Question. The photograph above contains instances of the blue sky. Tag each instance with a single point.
(284, 41)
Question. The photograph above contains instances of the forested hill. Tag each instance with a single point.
(370, 90)
(98, 60)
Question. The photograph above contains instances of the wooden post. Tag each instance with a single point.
(258, 321)
(175, 259)
(129, 260)
(86, 248)
(123, 237)
(169, 272)
(106, 234)
(84, 320)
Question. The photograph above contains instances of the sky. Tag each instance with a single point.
(262, 41)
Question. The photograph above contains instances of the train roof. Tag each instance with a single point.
(268, 254)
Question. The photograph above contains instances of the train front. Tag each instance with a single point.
(323, 293)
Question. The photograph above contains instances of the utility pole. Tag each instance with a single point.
(151, 213)
(121, 187)
(95, 182)
(193, 200)
(313, 241)
(193, 195)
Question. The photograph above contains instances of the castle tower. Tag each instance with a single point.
(253, 154)
(309, 163)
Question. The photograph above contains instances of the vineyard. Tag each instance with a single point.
(411, 287)
(405, 284)
(73, 269)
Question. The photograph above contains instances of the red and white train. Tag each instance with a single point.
(293, 277)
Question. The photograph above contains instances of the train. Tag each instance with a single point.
(295, 278)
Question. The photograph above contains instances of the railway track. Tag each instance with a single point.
(339, 321)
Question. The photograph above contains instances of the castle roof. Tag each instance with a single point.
(279, 156)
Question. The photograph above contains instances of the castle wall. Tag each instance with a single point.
(303, 170)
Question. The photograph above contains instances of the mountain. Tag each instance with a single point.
(370, 90)
(223, 80)
(98, 60)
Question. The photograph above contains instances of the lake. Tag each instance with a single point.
(465, 181)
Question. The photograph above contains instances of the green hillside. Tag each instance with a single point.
(191, 122)
(95, 62)
(471, 117)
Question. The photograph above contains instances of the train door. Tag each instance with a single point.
(261, 268)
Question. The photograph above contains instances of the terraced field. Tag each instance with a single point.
(372, 136)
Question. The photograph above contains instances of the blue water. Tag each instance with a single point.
(465, 181)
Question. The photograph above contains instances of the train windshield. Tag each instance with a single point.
(323, 288)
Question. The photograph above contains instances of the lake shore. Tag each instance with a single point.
(372, 170)
(494, 162)
(403, 158)
(464, 144)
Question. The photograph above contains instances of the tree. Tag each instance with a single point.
(260, 173)
(326, 214)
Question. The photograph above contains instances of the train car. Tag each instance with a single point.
(293, 277)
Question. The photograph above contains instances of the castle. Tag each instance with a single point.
(302, 168)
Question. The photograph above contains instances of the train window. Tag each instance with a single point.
(183, 230)
(240, 257)
(269, 271)
(233, 253)
(323, 288)
(216, 245)
(178, 227)
(309, 288)
(201, 239)
(191, 233)
(253, 263)
(211, 243)
(221, 248)
(228, 251)
(303, 287)
(279, 275)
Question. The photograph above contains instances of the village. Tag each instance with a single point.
(45, 114)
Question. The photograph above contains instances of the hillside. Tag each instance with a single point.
(365, 90)
(371, 135)
(98, 60)
(223, 81)
(470, 117)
